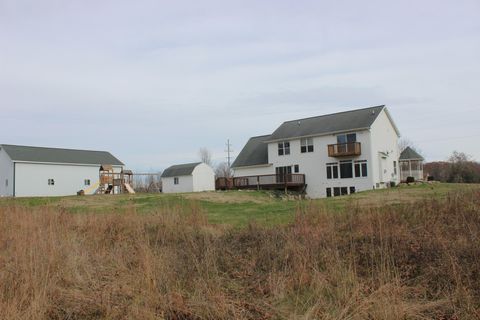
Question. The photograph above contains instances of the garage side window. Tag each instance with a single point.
(51, 182)
(175, 180)
(86, 182)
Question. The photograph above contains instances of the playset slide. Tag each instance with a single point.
(129, 187)
(93, 188)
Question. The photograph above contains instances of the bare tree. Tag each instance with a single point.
(460, 168)
(147, 183)
(223, 170)
(403, 143)
(459, 157)
(205, 156)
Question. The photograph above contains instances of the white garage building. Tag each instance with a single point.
(37, 171)
(189, 177)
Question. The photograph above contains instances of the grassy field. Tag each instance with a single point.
(239, 207)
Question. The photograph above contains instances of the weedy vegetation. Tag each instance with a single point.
(409, 260)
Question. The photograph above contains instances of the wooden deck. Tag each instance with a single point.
(262, 182)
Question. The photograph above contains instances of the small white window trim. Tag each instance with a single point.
(283, 147)
(360, 162)
(330, 166)
(306, 145)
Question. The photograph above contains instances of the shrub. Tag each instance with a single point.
(410, 180)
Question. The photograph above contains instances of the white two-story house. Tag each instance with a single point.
(334, 154)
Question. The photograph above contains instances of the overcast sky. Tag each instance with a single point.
(153, 81)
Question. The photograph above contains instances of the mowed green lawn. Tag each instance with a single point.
(237, 208)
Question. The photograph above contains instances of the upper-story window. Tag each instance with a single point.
(283, 148)
(306, 145)
(346, 138)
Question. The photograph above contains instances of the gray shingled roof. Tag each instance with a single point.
(410, 154)
(254, 153)
(326, 124)
(180, 170)
(57, 155)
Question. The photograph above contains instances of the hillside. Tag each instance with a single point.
(238, 207)
(160, 257)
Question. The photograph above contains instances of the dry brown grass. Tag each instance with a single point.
(228, 197)
(416, 261)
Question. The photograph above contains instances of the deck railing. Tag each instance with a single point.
(268, 181)
(345, 149)
(416, 174)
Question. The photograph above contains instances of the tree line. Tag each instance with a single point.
(459, 168)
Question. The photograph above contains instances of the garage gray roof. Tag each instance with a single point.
(410, 154)
(180, 170)
(254, 153)
(326, 124)
(56, 155)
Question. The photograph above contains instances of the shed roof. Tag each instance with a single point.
(254, 153)
(58, 155)
(326, 124)
(180, 170)
(410, 154)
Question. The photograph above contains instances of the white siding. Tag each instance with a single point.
(384, 151)
(31, 179)
(6, 175)
(185, 184)
(203, 178)
(313, 164)
(253, 171)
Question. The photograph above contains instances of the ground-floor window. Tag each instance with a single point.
(51, 182)
(175, 180)
(346, 169)
(296, 168)
(282, 173)
(332, 170)
(336, 191)
(86, 182)
(340, 191)
(361, 168)
(6, 182)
